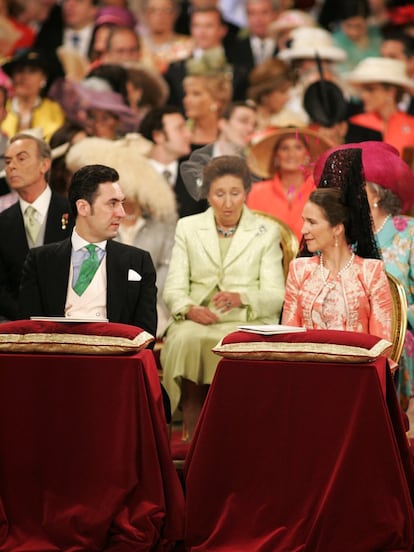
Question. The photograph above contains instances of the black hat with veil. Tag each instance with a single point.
(343, 170)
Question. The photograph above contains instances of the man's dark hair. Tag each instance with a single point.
(153, 120)
(406, 40)
(208, 9)
(231, 108)
(85, 183)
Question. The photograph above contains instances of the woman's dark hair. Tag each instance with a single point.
(343, 197)
(226, 165)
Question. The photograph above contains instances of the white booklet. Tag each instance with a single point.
(271, 329)
(64, 319)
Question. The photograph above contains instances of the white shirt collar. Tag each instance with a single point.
(79, 243)
(84, 37)
(160, 168)
(41, 204)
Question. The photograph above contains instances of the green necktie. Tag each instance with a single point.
(87, 270)
(31, 223)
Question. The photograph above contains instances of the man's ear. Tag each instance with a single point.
(221, 123)
(83, 207)
(45, 165)
(158, 137)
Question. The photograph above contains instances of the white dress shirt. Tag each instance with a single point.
(41, 204)
(82, 41)
(262, 48)
(172, 168)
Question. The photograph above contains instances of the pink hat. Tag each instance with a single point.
(383, 166)
(116, 15)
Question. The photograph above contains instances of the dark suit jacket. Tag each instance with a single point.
(176, 73)
(14, 248)
(50, 34)
(185, 203)
(45, 280)
(240, 53)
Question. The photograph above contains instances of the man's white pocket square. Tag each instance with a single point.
(133, 276)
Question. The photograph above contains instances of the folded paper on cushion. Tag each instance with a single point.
(311, 345)
(271, 329)
(88, 338)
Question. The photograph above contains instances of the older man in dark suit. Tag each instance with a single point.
(40, 216)
(90, 276)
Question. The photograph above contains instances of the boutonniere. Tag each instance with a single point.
(64, 220)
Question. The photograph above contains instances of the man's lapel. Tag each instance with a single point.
(56, 229)
(57, 274)
(117, 264)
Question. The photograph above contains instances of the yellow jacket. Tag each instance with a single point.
(48, 116)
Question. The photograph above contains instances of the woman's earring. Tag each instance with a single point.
(375, 204)
(336, 243)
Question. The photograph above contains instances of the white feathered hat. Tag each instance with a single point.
(137, 177)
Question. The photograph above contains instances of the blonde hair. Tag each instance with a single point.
(218, 86)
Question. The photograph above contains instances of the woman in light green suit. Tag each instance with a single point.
(226, 270)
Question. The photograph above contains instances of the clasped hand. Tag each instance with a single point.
(223, 301)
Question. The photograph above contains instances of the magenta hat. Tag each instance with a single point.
(382, 165)
(116, 15)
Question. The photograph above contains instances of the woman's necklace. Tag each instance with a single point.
(226, 232)
(384, 222)
(331, 285)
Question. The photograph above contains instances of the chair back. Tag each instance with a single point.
(288, 240)
(399, 317)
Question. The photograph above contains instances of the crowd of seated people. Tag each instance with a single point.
(163, 75)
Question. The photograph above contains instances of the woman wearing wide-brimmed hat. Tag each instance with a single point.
(285, 158)
(381, 83)
(270, 84)
(390, 190)
(30, 70)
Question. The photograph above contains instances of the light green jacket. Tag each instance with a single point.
(252, 267)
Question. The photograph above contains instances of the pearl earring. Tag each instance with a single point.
(375, 204)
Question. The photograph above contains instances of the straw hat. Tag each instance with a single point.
(137, 177)
(307, 42)
(260, 155)
(380, 70)
(383, 166)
